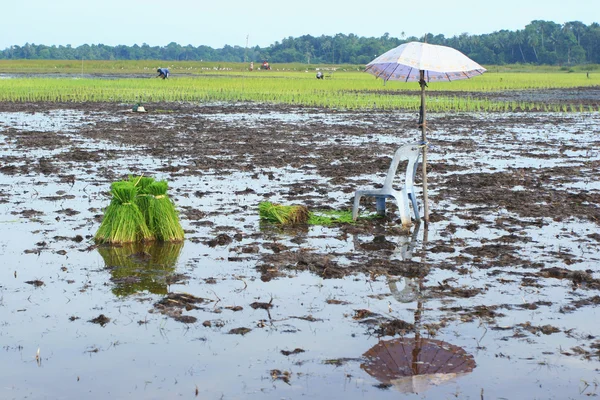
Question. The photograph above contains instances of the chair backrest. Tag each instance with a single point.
(410, 152)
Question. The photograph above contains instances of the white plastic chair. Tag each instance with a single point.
(410, 152)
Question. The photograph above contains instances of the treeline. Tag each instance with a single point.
(541, 42)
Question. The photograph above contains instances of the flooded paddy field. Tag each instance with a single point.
(498, 298)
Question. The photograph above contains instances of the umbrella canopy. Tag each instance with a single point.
(414, 364)
(440, 63)
(423, 62)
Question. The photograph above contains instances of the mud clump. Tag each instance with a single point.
(320, 264)
(281, 375)
(239, 331)
(394, 327)
(186, 319)
(536, 330)
(295, 351)
(101, 320)
(579, 278)
(222, 239)
(264, 306)
(173, 305)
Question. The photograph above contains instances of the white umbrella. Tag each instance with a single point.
(423, 62)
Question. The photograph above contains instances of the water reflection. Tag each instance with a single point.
(139, 267)
(408, 243)
(409, 292)
(300, 230)
(401, 248)
(414, 364)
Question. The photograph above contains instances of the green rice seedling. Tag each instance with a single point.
(280, 214)
(143, 198)
(163, 217)
(141, 182)
(330, 217)
(123, 221)
(350, 89)
(297, 214)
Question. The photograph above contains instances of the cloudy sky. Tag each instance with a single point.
(216, 23)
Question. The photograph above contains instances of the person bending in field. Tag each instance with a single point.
(162, 73)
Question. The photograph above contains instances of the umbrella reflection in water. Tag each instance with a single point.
(415, 364)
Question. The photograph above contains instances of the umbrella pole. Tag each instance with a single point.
(424, 144)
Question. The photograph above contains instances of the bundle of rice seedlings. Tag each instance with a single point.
(143, 198)
(163, 218)
(138, 267)
(279, 214)
(123, 221)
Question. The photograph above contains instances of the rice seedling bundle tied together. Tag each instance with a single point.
(140, 211)
(123, 221)
(162, 216)
(280, 214)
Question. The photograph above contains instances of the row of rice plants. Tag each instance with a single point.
(358, 92)
(219, 67)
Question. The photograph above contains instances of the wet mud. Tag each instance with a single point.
(507, 272)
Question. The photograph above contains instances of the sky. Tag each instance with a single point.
(217, 23)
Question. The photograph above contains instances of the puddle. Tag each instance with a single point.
(50, 121)
(505, 278)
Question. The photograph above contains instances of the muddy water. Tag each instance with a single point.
(508, 270)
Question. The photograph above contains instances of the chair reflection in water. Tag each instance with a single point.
(401, 249)
(409, 152)
(412, 286)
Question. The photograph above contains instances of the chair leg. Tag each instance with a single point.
(357, 197)
(380, 205)
(403, 210)
(415, 205)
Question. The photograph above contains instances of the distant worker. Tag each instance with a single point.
(251, 65)
(319, 75)
(266, 65)
(162, 73)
